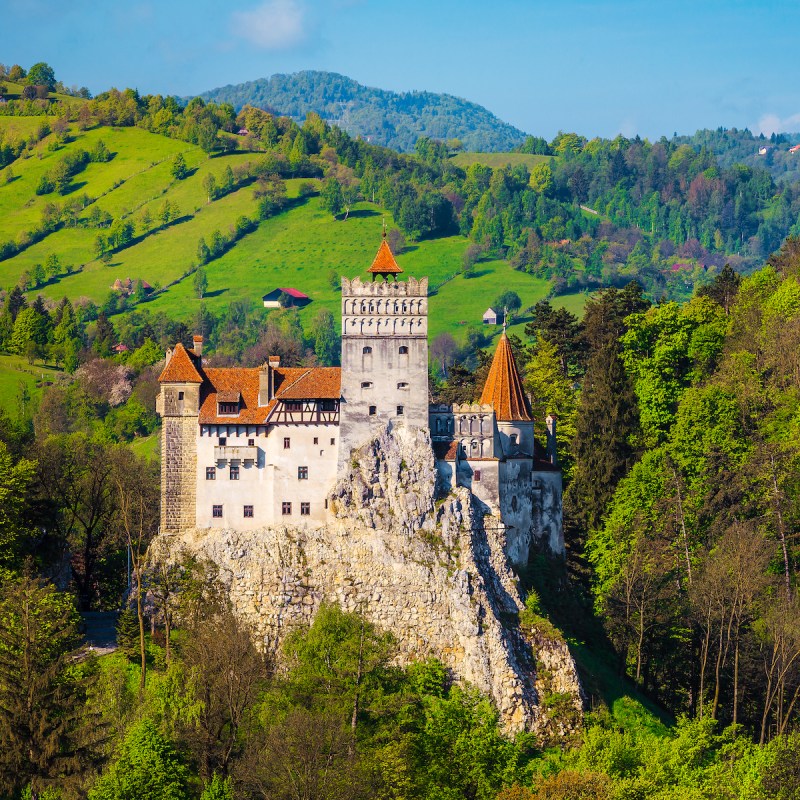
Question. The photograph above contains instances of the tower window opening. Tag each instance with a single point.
(366, 384)
(403, 351)
(180, 395)
(286, 508)
(477, 475)
(216, 512)
(305, 509)
(287, 442)
(211, 473)
(302, 473)
(402, 385)
(248, 511)
(400, 411)
(367, 350)
(234, 473)
(373, 410)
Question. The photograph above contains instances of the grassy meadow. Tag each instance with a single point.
(304, 247)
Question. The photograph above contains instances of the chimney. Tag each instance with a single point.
(266, 380)
(552, 453)
(198, 345)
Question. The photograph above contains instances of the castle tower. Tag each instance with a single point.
(503, 391)
(179, 406)
(384, 352)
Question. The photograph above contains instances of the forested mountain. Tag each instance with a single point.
(732, 146)
(387, 118)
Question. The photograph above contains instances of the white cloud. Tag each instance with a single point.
(772, 123)
(273, 25)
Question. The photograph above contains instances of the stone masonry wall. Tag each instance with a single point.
(178, 473)
(433, 572)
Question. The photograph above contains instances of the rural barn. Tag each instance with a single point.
(293, 297)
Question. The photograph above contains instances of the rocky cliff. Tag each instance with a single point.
(433, 572)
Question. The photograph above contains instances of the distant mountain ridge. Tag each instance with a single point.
(383, 117)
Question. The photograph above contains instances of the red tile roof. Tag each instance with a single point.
(503, 389)
(296, 293)
(291, 383)
(384, 263)
(181, 368)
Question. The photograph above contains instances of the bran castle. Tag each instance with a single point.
(247, 449)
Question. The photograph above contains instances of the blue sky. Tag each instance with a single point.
(598, 68)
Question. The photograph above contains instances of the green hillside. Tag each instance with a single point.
(301, 247)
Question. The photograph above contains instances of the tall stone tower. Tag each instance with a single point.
(179, 407)
(384, 352)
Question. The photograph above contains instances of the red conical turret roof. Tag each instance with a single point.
(180, 369)
(384, 263)
(503, 389)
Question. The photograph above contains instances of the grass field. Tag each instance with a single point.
(574, 303)
(495, 160)
(15, 372)
(304, 246)
(301, 248)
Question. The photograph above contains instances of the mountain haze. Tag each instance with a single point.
(392, 119)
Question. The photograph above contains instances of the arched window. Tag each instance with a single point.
(366, 350)
(403, 351)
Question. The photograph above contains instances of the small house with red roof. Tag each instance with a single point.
(285, 298)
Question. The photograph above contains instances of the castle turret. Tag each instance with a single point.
(179, 406)
(384, 352)
(503, 391)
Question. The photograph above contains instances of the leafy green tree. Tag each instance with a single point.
(30, 333)
(15, 483)
(210, 186)
(147, 765)
(42, 74)
(327, 344)
(200, 281)
(332, 200)
(179, 170)
(41, 727)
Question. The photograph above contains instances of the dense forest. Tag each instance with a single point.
(386, 118)
(678, 436)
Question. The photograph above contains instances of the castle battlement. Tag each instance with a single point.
(409, 288)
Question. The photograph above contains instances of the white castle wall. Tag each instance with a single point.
(270, 480)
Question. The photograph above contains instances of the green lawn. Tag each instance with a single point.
(495, 160)
(15, 371)
(462, 301)
(574, 303)
(147, 446)
(302, 247)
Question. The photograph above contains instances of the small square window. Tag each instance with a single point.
(211, 473)
(180, 395)
(251, 442)
(248, 511)
(316, 440)
(333, 441)
(403, 351)
(373, 410)
(305, 509)
(216, 511)
(286, 509)
(234, 476)
(222, 441)
(326, 502)
(287, 442)
(402, 385)
(366, 384)
(302, 473)
(400, 411)
(477, 475)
